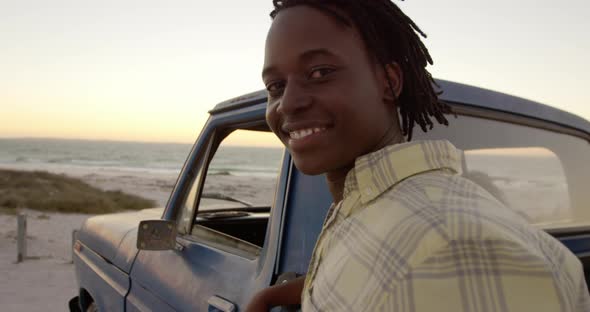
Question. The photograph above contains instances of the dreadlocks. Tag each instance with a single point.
(390, 36)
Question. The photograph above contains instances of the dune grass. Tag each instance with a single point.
(45, 191)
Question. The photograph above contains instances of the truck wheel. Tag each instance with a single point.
(92, 307)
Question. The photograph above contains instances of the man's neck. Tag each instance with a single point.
(337, 178)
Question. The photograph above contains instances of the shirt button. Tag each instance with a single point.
(368, 191)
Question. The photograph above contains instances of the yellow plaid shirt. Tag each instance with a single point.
(412, 234)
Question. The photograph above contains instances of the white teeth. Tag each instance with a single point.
(300, 134)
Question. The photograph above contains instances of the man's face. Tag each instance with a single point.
(326, 94)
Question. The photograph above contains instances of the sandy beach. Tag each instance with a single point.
(45, 281)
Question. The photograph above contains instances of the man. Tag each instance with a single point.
(406, 232)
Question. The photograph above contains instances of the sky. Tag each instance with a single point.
(150, 70)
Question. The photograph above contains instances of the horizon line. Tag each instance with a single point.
(88, 139)
(122, 141)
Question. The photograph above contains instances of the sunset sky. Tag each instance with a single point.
(150, 70)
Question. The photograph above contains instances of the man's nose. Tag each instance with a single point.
(295, 98)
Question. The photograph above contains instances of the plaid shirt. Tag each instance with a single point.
(411, 234)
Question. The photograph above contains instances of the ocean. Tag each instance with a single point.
(135, 156)
(234, 160)
(513, 176)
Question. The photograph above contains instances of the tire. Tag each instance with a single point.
(92, 307)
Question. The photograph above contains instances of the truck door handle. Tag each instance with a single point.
(218, 304)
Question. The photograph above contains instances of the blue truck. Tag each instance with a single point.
(216, 242)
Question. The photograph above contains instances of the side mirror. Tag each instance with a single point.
(156, 235)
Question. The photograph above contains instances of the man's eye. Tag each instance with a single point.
(317, 73)
(274, 87)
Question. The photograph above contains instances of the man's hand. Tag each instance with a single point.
(260, 302)
(288, 293)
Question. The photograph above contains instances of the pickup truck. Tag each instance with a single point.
(211, 249)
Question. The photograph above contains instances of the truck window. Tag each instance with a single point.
(515, 176)
(237, 193)
(539, 172)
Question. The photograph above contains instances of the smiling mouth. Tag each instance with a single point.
(303, 133)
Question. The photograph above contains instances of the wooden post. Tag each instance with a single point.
(21, 239)
(74, 233)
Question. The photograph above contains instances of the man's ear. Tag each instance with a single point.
(396, 77)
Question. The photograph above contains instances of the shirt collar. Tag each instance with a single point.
(376, 172)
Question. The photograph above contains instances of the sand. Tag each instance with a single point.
(46, 280)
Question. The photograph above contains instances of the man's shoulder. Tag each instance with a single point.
(446, 193)
(445, 208)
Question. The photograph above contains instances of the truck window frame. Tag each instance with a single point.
(207, 236)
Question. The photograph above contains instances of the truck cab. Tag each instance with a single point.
(229, 235)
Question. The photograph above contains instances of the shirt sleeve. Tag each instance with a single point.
(491, 275)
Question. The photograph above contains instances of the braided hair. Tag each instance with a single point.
(390, 36)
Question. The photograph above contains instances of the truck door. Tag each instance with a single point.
(308, 201)
(228, 226)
